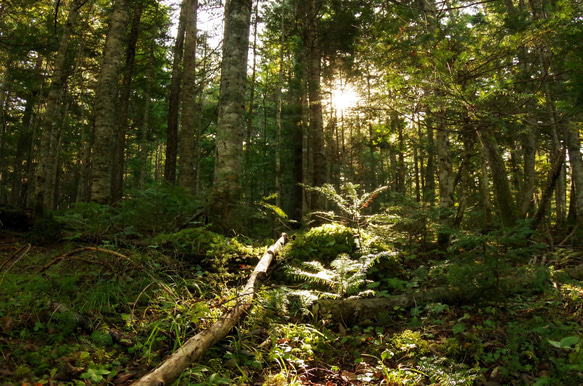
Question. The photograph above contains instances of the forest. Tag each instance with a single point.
(291, 192)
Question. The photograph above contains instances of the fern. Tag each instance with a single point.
(347, 276)
(348, 201)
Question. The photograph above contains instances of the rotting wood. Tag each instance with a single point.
(367, 310)
(169, 370)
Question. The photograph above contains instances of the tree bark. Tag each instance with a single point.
(248, 171)
(105, 105)
(186, 164)
(429, 176)
(169, 370)
(278, 106)
(503, 195)
(529, 176)
(576, 161)
(231, 125)
(174, 101)
(49, 149)
(557, 167)
(124, 104)
(445, 178)
(315, 103)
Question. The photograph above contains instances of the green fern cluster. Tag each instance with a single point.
(348, 201)
(345, 278)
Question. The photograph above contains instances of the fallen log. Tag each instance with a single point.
(169, 370)
(367, 310)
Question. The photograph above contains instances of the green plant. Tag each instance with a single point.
(443, 371)
(348, 200)
(96, 375)
(323, 243)
(346, 277)
(167, 208)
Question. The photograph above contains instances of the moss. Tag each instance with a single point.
(204, 242)
(323, 243)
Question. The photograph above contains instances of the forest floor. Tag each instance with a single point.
(71, 314)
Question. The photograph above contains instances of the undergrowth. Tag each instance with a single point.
(72, 313)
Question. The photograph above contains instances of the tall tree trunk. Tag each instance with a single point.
(429, 176)
(174, 100)
(248, 170)
(445, 178)
(503, 195)
(485, 188)
(105, 105)
(231, 125)
(529, 177)
(187, 160)
(124, 103)
(397, 124)
(295, 194)
(49, 149)
(315, 102)
(464, 174)
(574, 147)
(22, 159)
(278, 105)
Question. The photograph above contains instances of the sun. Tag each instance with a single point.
(344, 97)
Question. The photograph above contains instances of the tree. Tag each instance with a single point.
(174, 99)
(105, 105)
(46, 173)
(187, 164)
(231, 124)
(124, 99)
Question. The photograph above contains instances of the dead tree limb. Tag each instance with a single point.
(169, 370)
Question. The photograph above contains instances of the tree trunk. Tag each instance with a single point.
(574, 147)
(429, 177)
(48, 158)
(445, 178)
(145, 127)
(278, 105)
(485, 188)
(174, 100)
(315, 103)
(248, 171)
(529, 176)
(124, 103)
(24, 145)
(187, 160)
(502, 192)
(557, 167)
(231, 125)
(105, 105)
(191, 351)
(464, 175)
